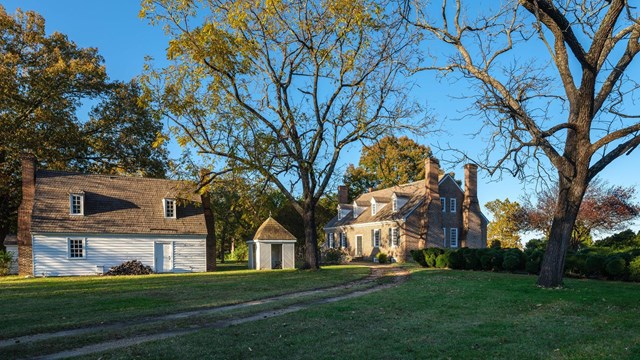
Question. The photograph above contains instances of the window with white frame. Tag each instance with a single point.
(343, 240)
(331, 241)
(453, 237)
(170, 208)
(394, 204)
(452, 205)
(376, 238)
(374, 208)
(443, 204)
(76, 204)
(395, 236)
(76, 248)
(339, 213)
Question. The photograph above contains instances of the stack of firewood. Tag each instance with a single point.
(133, 267)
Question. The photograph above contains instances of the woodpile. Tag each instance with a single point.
(133, 267)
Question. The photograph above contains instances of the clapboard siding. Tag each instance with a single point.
(50, 254)
(13, 249)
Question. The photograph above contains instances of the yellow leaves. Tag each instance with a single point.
(182, 140)
(159, 141)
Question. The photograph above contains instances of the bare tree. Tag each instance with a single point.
(281, 88)
(551, 79)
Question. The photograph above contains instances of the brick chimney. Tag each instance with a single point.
(472, 235)
(343, 194)
(433, 220)
(25, 257)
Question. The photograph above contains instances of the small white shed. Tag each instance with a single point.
(273, 247)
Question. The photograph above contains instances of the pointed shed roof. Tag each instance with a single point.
(272, 230)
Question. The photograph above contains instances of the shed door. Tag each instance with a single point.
(163, 253)
(358, 245)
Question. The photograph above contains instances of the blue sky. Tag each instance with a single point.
(124, 40)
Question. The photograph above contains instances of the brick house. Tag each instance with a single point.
(82, 224)
(435, 212)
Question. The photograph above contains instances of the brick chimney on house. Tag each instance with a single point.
(471, 218)
(25, 254)
(343, 194)
(433, 217)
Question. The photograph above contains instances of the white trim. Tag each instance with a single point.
(394, 202)
(149, 235)
(452, 179)
(374, 223)
(164, 208)
(395, 235)
(379, 237)
(443, 204)
(453, 237)
(81, 197)
(453, 202)
(84, 248)
(331, 240)
(374, 207)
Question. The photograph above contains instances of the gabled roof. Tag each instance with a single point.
(114, 205)
(272, 230)
(415, 192)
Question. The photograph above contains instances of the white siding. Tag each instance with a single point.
(13, 249)
(265, 256)
(50, 255)
(288, 256)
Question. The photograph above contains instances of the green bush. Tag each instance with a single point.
(496, 244)
(534, 259)
(594, 265)
(634, 269)
(456, 260)
(430, 255)
(382, 258)
(6, 259)
(442, 261)
(575, 264)
(471, 260)
(331, 256)
(241, 252)
(496, 260)
(485, 261)
(418, 256)
(519, 255)
(615, 266)
(511, 262)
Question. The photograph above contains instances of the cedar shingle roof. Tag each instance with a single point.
(272, 230)
(114, 205)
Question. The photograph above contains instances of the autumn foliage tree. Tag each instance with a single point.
(280, 88)
(390, 161)
(604, 208)
(507, 223)
(551, 80)
(44, 79)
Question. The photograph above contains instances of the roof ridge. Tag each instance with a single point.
(110, 176)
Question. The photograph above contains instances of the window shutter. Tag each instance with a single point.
(398, 235)
(372, 238)
(390, 237)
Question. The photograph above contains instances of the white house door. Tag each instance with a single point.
(163, 257)
(358, 245)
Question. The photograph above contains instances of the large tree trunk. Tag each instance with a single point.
(311, 254)
(210, 243)
(567, 207)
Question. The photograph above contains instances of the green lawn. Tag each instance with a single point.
(46, 304)
(436, 314)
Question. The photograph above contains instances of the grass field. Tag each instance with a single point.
(436, 314)
(47, 304)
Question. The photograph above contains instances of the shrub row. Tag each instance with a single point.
(615, 265)
(492, 259)
(588, 263)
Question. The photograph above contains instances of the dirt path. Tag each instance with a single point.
(399, 275)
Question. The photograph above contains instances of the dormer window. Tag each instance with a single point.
(76, 203)
(170, 208)
(374, 208)
(339, 213)
(394, 203)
